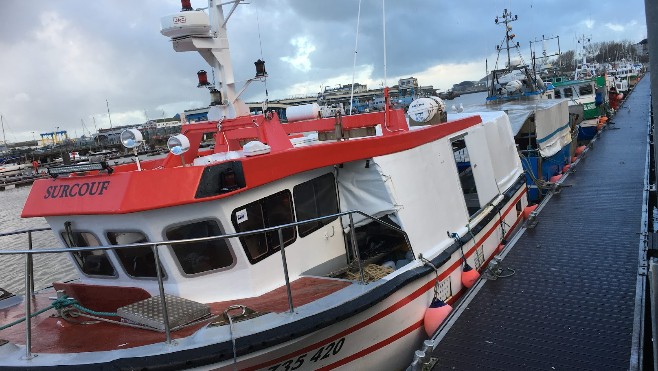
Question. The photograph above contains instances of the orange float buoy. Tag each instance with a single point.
(469, 276)
(435, 315)
(555, 178)
(566, 168)
(580, 150)
(528, 210)
(603, 119)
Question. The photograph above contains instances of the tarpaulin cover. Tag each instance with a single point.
(362, 188)
(551, 121)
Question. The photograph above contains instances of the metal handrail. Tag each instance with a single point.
(190, 240)
(29, 275)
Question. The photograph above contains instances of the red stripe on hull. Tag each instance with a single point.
(374, 347)
(409, 298)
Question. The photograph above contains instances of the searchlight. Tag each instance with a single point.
(131, 139)
(178, 145)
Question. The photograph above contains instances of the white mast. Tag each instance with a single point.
(4, 138)
(192, 30)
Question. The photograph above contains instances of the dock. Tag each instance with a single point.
(16, 181)
(571, 290)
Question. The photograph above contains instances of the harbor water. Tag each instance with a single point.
(47, 267)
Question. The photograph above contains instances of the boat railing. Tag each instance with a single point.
(29, 274)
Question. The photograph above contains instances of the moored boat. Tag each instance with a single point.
(586, 100)
(542, 127)
(318, 243)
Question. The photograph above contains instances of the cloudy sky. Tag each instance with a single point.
(60, 61)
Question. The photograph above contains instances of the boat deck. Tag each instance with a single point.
(52, 334)
(571, 303)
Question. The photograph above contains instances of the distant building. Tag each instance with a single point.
(410, 82)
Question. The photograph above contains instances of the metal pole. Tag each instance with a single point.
(28, 305)
(163, 300)
(285, 270)
(356, 249)
(651, 13)
(29, 246)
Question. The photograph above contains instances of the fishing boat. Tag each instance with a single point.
(542, 127)
(587, 103)
(320, 243)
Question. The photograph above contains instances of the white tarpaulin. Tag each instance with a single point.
(553, 131)
(551, 121)
(362, 188)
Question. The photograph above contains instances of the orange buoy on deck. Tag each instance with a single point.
(603, 119)
(435, 315)
(580, 150)
(528, 210)
(555, 178)
(469, 276)
(566, 168)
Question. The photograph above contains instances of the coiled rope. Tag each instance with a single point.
(60, 304)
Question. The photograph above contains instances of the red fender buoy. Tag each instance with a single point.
(573, 159)
(435, 315)
(580, 150)
(555, 178)
(566, 168)
(528, 210)
(469, 276)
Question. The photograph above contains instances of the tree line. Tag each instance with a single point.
(602, 52)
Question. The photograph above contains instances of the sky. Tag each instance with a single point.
(62, 63)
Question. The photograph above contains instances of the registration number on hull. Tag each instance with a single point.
(324, 352)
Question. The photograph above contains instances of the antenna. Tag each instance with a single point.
(356, 47)
(544, 40)
(4, 138)
(108, 112)
(506, 19)
(582, 41)
(384, 30)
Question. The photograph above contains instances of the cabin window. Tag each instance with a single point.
(270, 211)
(314, 199)
(201, 256)
(94, 262)
(586, 89)
(558, 93)
(137, 261)
(466, 178)
(568, 92)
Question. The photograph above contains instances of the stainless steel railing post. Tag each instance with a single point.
(285, 270)
(28, 306)
(29, 247)
(356, 249)
(163, 301)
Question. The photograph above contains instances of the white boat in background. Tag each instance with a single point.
(320, 243)
(541, 124)
(11, 169)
